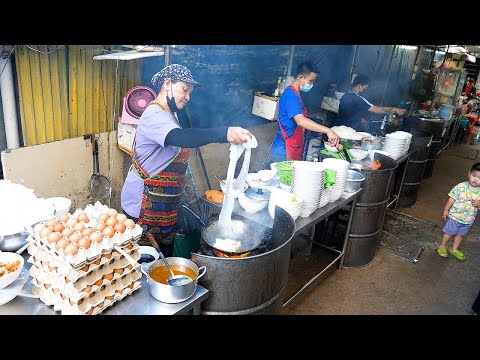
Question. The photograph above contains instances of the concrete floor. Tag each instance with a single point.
(392, 286)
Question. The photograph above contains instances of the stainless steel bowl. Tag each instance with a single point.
(354, 181)
(13, 242)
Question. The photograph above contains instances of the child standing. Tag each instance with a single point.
(460, 211)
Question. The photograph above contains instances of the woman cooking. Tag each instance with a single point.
(154, 183)
(354, 109)
(292, 117)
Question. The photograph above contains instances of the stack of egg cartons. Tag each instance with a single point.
(75, 263)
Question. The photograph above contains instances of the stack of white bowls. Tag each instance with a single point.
(326, 194)
(341, 168)
(307, 181)
(408, 140)
(396, 144)
(292, 203)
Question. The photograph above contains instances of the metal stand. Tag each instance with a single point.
(397, 188)
(341, 253)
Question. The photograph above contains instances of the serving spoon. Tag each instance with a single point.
(174, 280)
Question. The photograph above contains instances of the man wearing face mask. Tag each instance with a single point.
(292, 117)
(354, 109)
(154, 183)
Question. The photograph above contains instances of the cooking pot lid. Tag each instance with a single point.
(258, 194)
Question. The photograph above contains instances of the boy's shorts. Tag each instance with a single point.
(453, 227)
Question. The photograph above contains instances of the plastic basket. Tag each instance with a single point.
(284, 169)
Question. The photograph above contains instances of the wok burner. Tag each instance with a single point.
(206, 249)
(222, 254)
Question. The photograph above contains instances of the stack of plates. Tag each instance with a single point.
(307, 181)
(292, 203)
(408, 136)
(341, 168)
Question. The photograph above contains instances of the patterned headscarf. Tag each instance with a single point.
(174, 72)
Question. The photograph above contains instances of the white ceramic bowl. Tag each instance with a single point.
(254, 181)
(251, 205)
(223, 186)
(358, 154)
(10, 277)
(266, 175)
(332, 148)
(62, 205)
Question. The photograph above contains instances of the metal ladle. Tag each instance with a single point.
(174, 280)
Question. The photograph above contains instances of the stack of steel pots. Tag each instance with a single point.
(367, 222)
(421, 142)
(436, 127)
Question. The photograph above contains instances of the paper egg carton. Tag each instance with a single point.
(43, 259)
(94, 302)
(102, 276)
(94, 252)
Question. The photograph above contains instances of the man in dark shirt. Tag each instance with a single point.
(354, 109)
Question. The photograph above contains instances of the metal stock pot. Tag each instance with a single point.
(371, 143)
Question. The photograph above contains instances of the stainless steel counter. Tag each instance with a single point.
(140, 302)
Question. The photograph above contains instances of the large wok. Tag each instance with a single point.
(248, 236)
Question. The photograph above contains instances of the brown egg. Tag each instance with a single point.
(102, 287)
(121, 217)
(70, 249)
(102, 217)
(99, 282)
(89, 312)
(130, 267)
(38, 228)
(108, 231)
(112, 212)
(67, 232)
(53, 237)
(129, 223)
(44, 233)
(97, 262)
(118, 271)
(64, 217)
(87, 289)
(87, 231)
(47, 286)
(99, 227)
(71, 222)
(108, 276)
(129, 246)
(113, 282)
(107, 256)
(110, 297)
(118, 291)
(83, 217)
(79, 227)
(96, 237)
(67, 280)
(85, 267)
(120, 227)
(111, 221)
(131, 285)
(51, 223)
(62, 243)
(84, 243)
(63, 296)
(75, 237)
(58, 228)
(100, 305)
(91, 295)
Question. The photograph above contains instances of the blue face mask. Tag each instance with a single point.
(306, 87)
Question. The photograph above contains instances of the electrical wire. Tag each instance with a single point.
(6, 61)
(43, 52)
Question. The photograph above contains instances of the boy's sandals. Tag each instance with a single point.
(442, 252)
(458, 254)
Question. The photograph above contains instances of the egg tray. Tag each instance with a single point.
(95, 251)
(95, 302)
(82, 287)
(44, 259)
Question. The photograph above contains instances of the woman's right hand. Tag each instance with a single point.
(237, 135)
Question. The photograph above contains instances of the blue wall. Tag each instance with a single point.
(231, 74)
